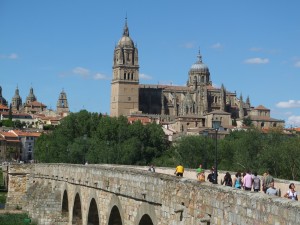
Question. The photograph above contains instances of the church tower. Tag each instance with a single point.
(16, 101)
(31, 97)
(199, 74)
(125, 81)
(2, 99)
(62, 103)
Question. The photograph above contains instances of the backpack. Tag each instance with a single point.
(237, 182)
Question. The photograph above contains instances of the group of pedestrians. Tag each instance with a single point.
(247, 181)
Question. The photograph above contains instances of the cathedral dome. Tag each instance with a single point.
(199, 66)
(125, 41)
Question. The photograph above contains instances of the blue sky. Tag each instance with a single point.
(252, 47)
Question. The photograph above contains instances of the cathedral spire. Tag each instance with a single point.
(126, 30)
(199, 56)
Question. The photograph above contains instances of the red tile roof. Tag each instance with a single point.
(3, 107)
(27, 134)
(8, 134)
(144, 120)
(35, 103)
(261, 107)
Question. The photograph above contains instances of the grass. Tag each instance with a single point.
(14, 219)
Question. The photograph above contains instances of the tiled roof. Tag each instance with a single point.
(8, 134)
(35, 103)
(27, 134)
(172, 87)
(3, 107)
(261, 107)
(144, 120)
(265, 118)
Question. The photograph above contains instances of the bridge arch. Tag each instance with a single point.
(146, 215)
(65, 205)
(93, 215)
(115, 211)
(92, 205)
(77, 210)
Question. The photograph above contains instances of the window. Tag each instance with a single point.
(129, 98)
(202, 79)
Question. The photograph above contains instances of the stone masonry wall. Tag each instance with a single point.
(174, 200)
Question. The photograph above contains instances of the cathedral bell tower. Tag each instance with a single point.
(125, 81)
(62, 105)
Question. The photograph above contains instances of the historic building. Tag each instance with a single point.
(32, 112)
(62, 105)
(183, 107)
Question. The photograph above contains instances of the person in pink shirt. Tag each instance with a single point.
(247, 181)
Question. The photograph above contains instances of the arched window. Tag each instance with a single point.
(202, 79)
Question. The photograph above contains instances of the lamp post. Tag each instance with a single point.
(216, 125)
(84, 150)
(68, 154)
(47, 153)
(205, 135)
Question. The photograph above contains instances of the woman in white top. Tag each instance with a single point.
(291, 194)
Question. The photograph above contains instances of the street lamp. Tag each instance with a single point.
(47, 153)
(216, 125)
(84, 150)
(205, 135)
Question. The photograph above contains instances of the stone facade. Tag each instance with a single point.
(125, 82)
(115, 195)
(192, 103)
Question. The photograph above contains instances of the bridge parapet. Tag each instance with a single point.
(166, 199)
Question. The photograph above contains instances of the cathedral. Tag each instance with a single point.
(31, 105)
(183, 107)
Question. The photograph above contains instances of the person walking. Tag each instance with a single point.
(199, 170)
(256, 182)
(227, 180)
(179, 170)
(291, 194)
(272, 190)
(151, 169)
(247, 181)
(267, 181)
(237, 181)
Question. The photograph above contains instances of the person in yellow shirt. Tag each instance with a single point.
(179, 170)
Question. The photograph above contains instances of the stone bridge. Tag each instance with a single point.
(62, 194)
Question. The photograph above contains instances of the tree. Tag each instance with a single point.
(247, 121)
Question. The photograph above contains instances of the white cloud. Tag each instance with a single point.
(294, 121)
(81, 71)
(255, 49)
(289, 104)
(100, 76)
(257, 61)
(13, 56)
(189, 44)
(10, 56)
(145, 77)
(297, 64)
(217, 46)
